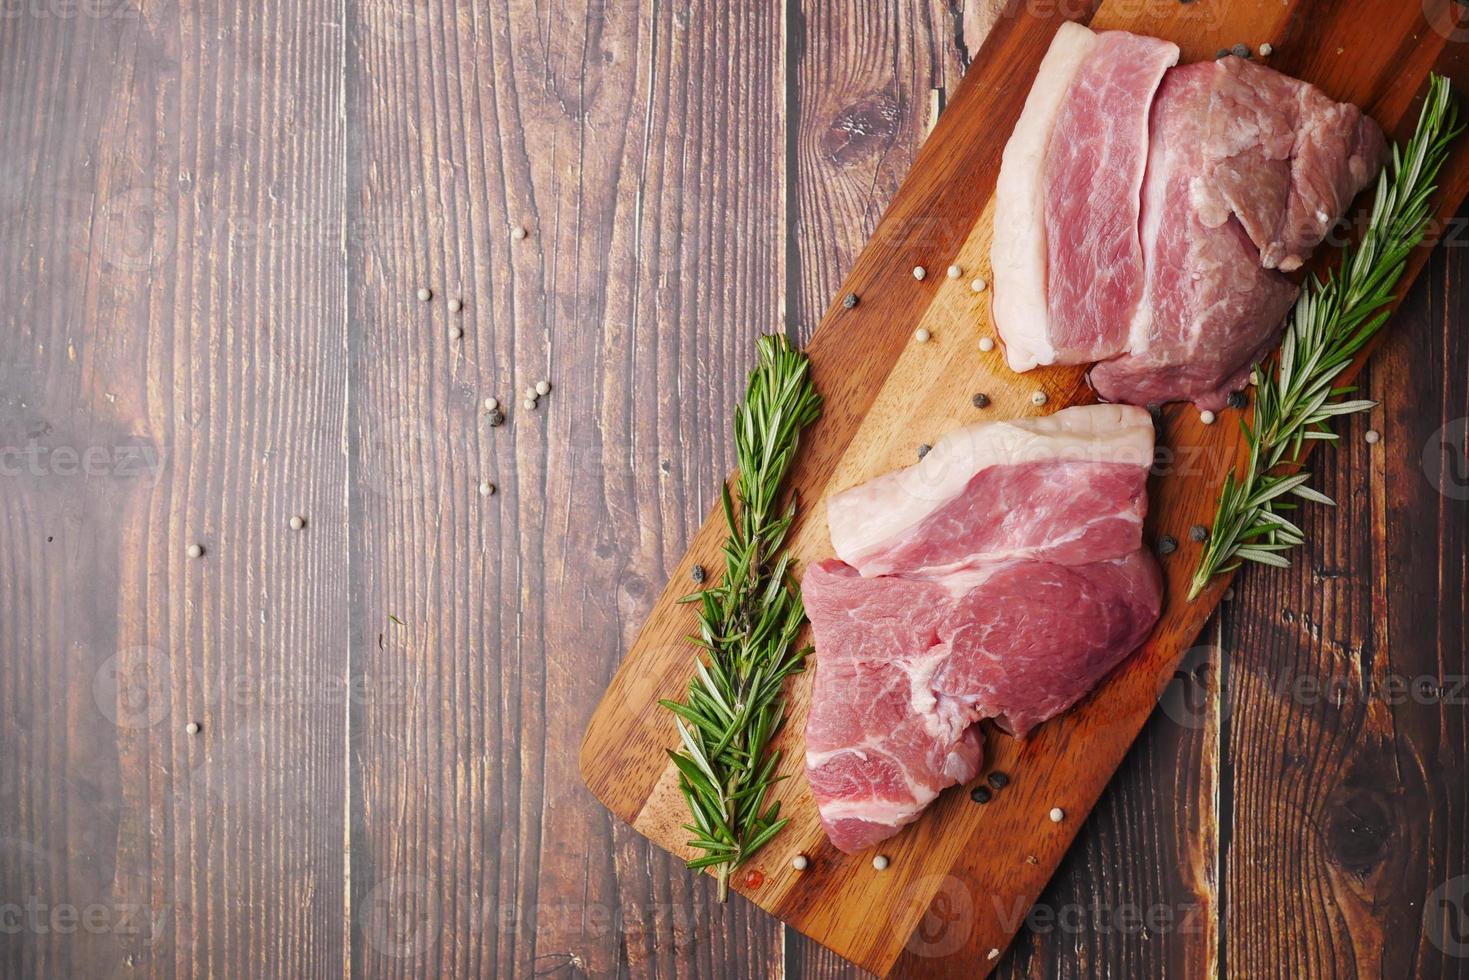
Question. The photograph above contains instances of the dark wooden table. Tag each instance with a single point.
(214, 218)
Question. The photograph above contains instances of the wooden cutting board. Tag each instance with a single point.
(962, 878)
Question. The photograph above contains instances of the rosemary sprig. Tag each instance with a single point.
(1297, 397)
(748, 624)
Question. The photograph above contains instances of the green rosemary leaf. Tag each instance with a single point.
(1296, 398)
(692, 772)
(1272, 487)
(763, 838)
(749, 623)
(716, 857)
(1281, 525)
(1348, 407)
(1262, 556)
(1315, 496)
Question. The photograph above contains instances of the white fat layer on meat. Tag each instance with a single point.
(959, 578)
(874, 810)
(1154, 205)
(1213, 210)
(866, 517)
(1018, 253)
(815, 760)
(921, 699)
(946, 721)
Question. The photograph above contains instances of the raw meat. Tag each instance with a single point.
(1001, 578)
(1210, 309)
(1278, 155)
(1066, 256)
(1066, 487)
(1142, 211)
(1242, 159)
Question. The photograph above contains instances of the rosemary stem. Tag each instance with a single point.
(1296, 399)
(748, 626)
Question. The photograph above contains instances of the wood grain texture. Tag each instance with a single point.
(860, 123)
(951, 181)
(1138, 894)
(1347, 681)
(171, 372)
(635, 145)
(865, 74)
(212, 221)
(859, 110)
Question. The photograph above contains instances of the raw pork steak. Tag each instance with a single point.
(1277, 154)
(1068, 264)
(1248, 171)
(1001, 578)
(1141, 211)
(1068, 487)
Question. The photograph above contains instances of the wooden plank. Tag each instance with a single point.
(1423, 479)
(862, 118)
(955, 180)
(208, 860)
(171, 372)
(1138, 893)
(640, 145)
(866, 73)
(1162, 803)
(1347, 788)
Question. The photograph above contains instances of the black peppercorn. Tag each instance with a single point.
(980, 400)
(1236, 399)
(980, 795)
(697, 574)
(923, 450)
(1240, 51)
(850, 300)
(1199, 532)
(999, 780)
(496, 418)
(1167, 544)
